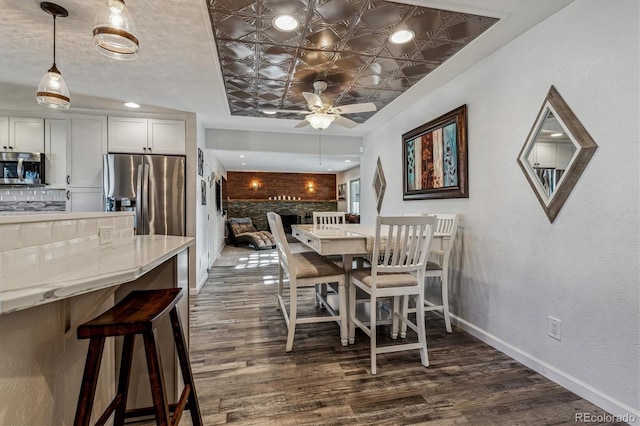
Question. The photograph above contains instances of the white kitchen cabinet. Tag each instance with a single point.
(85, 200)
(128, 135)
(55, 148)
(146, 136)
(166, 136)
(25, 135)
(4, 133)
(87, 143)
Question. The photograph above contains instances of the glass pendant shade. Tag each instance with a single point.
(320, 120)
(53, 91)
(114, 32)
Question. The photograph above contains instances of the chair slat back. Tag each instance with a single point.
(402, 243)
(447, 223)
(282, 245)
(328, 218)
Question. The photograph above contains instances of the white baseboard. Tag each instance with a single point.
(584, 390)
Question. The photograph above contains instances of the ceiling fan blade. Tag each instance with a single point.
(288, 111)
(354, 108)
(345, 122)
(303, 123)
(313, 100)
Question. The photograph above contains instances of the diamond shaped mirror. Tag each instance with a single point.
(379, 184)
(555, 153)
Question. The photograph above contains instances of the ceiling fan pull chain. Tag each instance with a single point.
(320, 146)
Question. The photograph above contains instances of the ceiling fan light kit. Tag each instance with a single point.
(52, 90)
(321, 111)
(320, 120)
(114, 32)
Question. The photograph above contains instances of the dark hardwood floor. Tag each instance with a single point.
(243, 375)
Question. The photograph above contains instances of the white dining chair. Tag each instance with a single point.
(306, 269)
(438, 263)
(398, 263)
(328, 218)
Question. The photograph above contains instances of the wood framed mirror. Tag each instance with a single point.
(379, 184)
(555, 153)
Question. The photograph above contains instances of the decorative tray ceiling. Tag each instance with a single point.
(344, 42)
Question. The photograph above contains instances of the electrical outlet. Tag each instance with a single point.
(105, 234)
(554, 327)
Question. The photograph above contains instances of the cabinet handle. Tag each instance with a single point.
(68, 195)
(5, 147)
(68, 179)
(149, 149)
(144, 149)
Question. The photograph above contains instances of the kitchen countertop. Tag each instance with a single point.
(104, 267)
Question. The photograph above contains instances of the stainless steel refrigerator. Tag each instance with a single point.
(153, 186)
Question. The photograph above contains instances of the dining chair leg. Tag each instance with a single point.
(422, 332)
(352, 313)
(293, 317)
(394, 317)
(344, 313)
(405, 313)
(280, 286)
(445, 300)
(372, 328)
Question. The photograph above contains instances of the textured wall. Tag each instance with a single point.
(513, 267)
(279, 184)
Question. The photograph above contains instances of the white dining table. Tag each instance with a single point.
(350, 240)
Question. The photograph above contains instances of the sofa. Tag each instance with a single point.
(242, 231)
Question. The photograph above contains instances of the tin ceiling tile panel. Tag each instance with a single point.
(344, 42)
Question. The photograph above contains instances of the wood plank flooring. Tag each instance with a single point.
(243, 375)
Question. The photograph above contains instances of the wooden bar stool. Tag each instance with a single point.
(138, 313)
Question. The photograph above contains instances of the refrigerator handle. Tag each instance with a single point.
(139, 201)
(145, 199)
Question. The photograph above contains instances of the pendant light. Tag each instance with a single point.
(53, 91)
(114, 32)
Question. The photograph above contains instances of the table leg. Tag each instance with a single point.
(347, 262)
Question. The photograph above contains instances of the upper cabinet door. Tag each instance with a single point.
(86, 146)
(128, 135)
(166, 137)
(4, 133)
(26, 134)
(55, 140)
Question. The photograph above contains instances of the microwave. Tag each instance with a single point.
(21, 168)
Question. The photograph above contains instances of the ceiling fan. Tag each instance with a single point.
(321, 111)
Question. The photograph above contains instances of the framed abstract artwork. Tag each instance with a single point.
(434, 158)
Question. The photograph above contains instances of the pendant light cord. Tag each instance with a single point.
(54, 39)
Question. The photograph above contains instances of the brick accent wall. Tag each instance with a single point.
(270, 184)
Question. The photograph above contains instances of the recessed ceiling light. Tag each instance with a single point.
(329, 170)
(285, 22)
(556, 135)
(241, 155)
(131, 105)
(269, 111)
(402, 36)
(244, 164)
(347, 161)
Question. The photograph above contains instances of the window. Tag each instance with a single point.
(354, 196)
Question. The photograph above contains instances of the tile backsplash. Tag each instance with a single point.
(32, 200)
(35, 241)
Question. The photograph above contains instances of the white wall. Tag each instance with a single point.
(514, 267)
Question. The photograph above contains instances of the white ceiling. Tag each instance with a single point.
(177, 67)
